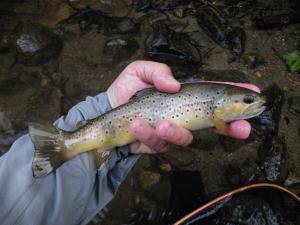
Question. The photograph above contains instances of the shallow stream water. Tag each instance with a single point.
(55, 53)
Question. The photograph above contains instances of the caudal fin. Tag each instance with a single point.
(49, 148)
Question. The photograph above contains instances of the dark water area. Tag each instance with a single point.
(253, 207)
(55, 53)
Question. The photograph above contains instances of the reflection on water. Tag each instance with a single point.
(54, 53)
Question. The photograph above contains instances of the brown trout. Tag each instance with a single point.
(196, 106)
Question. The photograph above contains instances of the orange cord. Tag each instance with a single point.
(186, 218)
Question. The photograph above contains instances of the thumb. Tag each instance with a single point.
(157, 74)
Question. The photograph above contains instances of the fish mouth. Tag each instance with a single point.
(259, 107)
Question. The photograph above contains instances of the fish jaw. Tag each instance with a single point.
(252, 111)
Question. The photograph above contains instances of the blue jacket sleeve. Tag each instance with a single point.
(75, 192)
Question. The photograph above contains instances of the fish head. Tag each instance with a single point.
(239, 103)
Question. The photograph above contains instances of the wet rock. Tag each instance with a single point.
(118, 49)
(126, 25)
(89, 19)
(179, 13)
(259, 73)
(246, 173)
(255, 207)
(249, 209)
(266, 124)
(272, 14)
(279, 19)
(219, 29)
(232, 145)
(158, 5)
(252, 60)
(165, 167)
(272, 155)
(165, 45)
(52, 12)
(36, 45)
(239, 8)
(116, 8)
(148, 179)
(8, 134)
(294, 105)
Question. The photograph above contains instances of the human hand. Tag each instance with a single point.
(143, 74)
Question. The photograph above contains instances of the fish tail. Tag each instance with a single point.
(49, 148)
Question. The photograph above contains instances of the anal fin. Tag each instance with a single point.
(99, 156)
(221, 126)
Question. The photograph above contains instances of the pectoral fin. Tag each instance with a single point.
(221, 126)
(99, 156)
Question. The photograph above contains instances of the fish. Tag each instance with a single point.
(196, 106)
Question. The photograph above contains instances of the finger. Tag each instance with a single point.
(251, 87)
(239, 129)
(144, 133)
(157, 74)
(173, 133)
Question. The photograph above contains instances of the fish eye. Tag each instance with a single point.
(248, 99)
